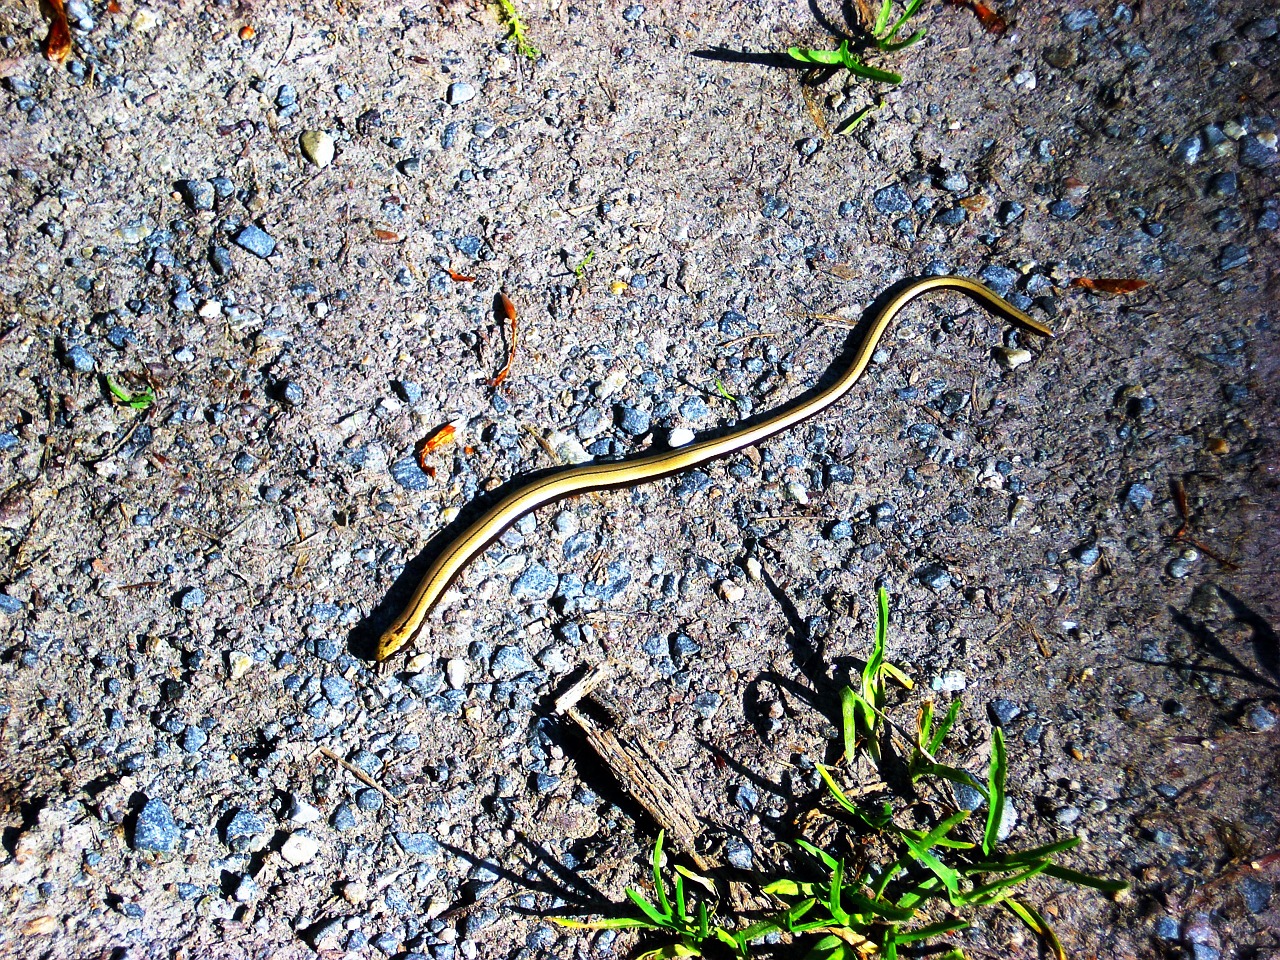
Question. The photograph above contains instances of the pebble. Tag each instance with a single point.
(509, 662)
(155, 830)
(1000, 279)
(291, 393)
(1077, 20)
(459, 93)
(707, 705)
(536, 583)
(199, 194)
(317, 146)
(891, 199)
(1003, 712)
(1261, 719)
(633, 13)
(301, 812)
(457, 671)
(949, 681)
(680, 436)
(421, 845)
(1011, 358)
(79, 359)
(409, 475)
(238, 663)
(729, 591)
(343, 819)
(1233, 257)
(934, 576)
(299, 849)
(256, 241)
(1188, 150)
(1258, 152)
(192, 598)
(1138, 496)
(245, 832)
(1180, 567)
(11, 606)
(738, 853)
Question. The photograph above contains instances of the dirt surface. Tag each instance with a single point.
(188, 590)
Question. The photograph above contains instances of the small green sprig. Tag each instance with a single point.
(516, 26)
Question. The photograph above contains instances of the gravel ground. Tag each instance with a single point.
(257, 209)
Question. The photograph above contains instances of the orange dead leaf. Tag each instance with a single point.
(114, 7)
(506, 311)
(1109, 284)
(386, 236)
(247, 32)
(441, 438)
(975, 204)
(991, 21)
(57, 44)
(459, 277)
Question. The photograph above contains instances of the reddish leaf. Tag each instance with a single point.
(57, 45)
(507, 311)
(114, 7)
(991, 21)
(441, 438)
(459, 277)
(1117, 285)
(386, 236)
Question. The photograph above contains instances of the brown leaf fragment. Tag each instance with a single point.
(991, 21)
(1117, 285)
(57, 44)
(506, 310)
(386, 236)
(975, 204)
(459, 277)
(441, 438)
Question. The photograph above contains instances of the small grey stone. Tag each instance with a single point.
(934, 576)
(223, 188)
(193, 739)
(1256, 894)
(536, 583)
(409, 475)
(1188, 150)
(1257, 155)
(1003, 712)
(1087, 554)
(291, 393)
(968, 797)
(79, 359)
(1077, 20)
(998, 278)
(707, 705)
(337, 690)
(1180, 568)
(1260, 718)
(633, 422)
(1263, 28)
(1138, 496)
(693, 482)
(1010, 211)
(192, 598)
(343, 819)
(10, 606)
(459, 92)
(421, 845)
(509, 662)
(1233, 257)
(198, 193)
(220, 260)
(955, 182)
(256, 241)
(891, 199)
(155, 830)
(369, 801)
(410, 166)
(1067, 816)
(1223, 185)
(245, 832)
(695, 408)
(244, 462)
(738, 853)
(634, 12)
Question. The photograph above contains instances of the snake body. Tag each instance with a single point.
(558, 484)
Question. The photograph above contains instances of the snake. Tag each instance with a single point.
(539, 490)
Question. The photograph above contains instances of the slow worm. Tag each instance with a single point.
(555, 485)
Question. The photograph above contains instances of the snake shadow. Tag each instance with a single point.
(363, 637)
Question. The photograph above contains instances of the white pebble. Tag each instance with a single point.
(680, 436)
(754, 570)
(610, 385)
(951, 681)
(239, 663)
(317, 146)
(459, 93)
(210, 309)
(1011, 358)
(730, 592)
(456, 671)
(299, 849)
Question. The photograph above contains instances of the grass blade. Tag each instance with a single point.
(1036, 924)
(944, 727)
(649, 910)
(995, 792)
(612, 923)
(938, 929)
(1085, 879)
(882, 18)
(658, 887)
(949, 877)
(849, 724)
(825, 58)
